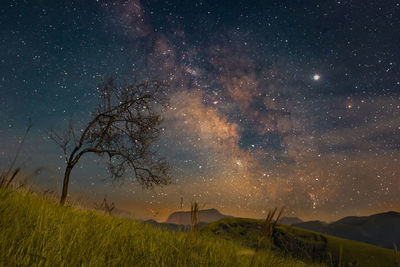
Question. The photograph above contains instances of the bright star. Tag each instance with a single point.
(316, 77)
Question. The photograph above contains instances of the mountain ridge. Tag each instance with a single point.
(381, 229)
(205, 216)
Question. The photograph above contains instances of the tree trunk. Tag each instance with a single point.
(65, 184)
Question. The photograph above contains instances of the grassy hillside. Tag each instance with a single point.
(38, 232)
(304, 244)
(379, 229)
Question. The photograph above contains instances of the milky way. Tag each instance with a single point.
(281, 103)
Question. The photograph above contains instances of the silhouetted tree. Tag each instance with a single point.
(105, 206)
(124, 128)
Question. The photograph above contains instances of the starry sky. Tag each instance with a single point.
(272, 103)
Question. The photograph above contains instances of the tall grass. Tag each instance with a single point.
(8, 175)
(194, 216)
(39, 232)
(268, 227)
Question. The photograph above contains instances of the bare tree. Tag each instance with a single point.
(105, 206)
(124, 128)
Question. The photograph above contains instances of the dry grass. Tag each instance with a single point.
(194, 216)
(268, 226)
(36, 231)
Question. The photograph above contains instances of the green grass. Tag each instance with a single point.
(304, 244)
(35, 231)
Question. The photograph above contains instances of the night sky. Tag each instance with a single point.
(272, 103)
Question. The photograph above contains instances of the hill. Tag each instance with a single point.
(170, 226)
(210, 215)
(35, 231)
(205, 216)
(290, 220)
(304, 244)
(381, 229)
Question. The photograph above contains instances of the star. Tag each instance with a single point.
(253, 106)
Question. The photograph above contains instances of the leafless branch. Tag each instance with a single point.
(105, 206)
(124, 128)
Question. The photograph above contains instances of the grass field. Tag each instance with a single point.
(305, 244)
(35, 231)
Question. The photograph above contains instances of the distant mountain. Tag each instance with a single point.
(205, 216)
(381, 229)
(290, 220)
